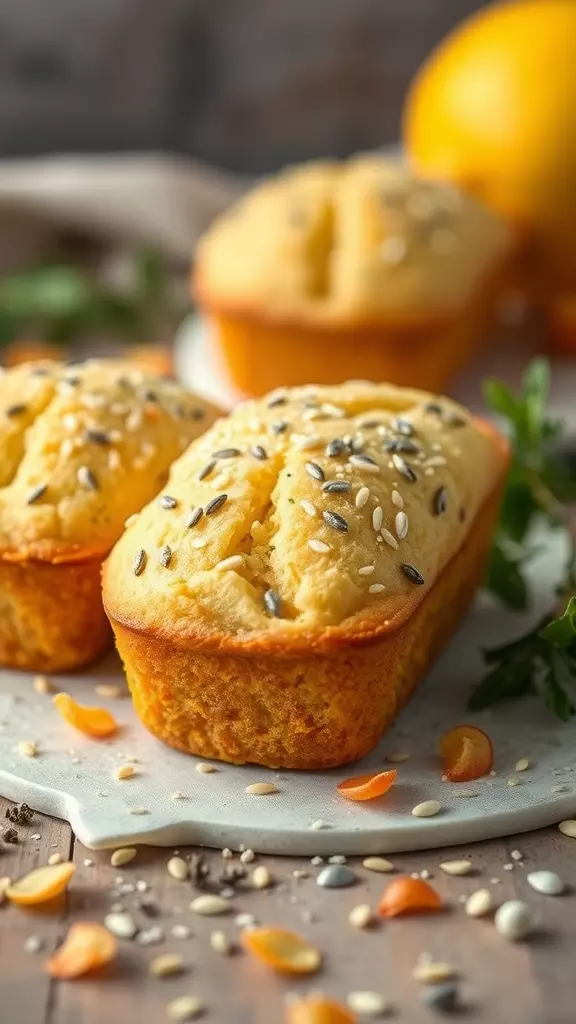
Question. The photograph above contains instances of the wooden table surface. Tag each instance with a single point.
(524, 983)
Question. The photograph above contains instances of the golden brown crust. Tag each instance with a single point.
(307, 710)
(81, 448)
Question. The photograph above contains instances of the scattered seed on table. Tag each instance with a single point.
(427, 809)
(361, 916)
(337, 858)
(123, 856)
(220, 943)
(335, 876)
(209, 905)
(367, 1004)
(513, 781)
(244, 920)
(261, 877)
(27, 748)
(180, 931)
(317, 825)
(479, 903)
(379, 864)
(397, 756)
(568, 827)
(184, 1008)
(514, 920)
(33, 944)
(165, 965)
(124, 771)
(441, 998)
(205, 769)
(522, 765)
(121, 924)
(546, 882)
(55, 858)
(456, 867)
(43, 685)
(432, 972)
(247, 856)
(261, 789)
(178, 868)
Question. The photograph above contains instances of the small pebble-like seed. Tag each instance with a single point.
(209, 905)
(432, 972)
(261, 877)
(335, 876)
(55, 858)
(261, 789)
(43, 685)
(247, 856)
(123, 856)
(427, 809)
(33, 944)
(184, 1008)
(367, 1004)
(441, 998)
(546, 882)
(397, 756)
(513, 781)
(165, 965)
(317, 825)
(180, 931)
(151, 936)
(27, 748)
(244, 920)
(514, 920)
(110, 691)
(522, 765)
(379, 864)
(456, 867)
(366, 570)
(568, 827)
(479, 903)
(361, 916)
(122, 925)
(220, 943)
(177, 868)
(205, 769)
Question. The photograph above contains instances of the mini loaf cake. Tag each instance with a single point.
(82, 447)
(361, 268)
(307, 560)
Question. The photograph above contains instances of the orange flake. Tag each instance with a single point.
(282, 950)
(96, 722)
(87, 946)
(367, 787)
(407, 895)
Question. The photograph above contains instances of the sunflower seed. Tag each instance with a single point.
(178, 868)
(15, 410)
(315, 471)
(123, 856)
(258, 452)
(401, 525)
(403, 468)
(261, 877)
(139, 563)
(193, 517)
(431, 972)
(456, 867)
(86, 478)
(97, 437)
(166, 501)
(365, 463)
(226, 453)
(166, 964)
(403, 427)
(208, 468)
(439, 502)
(335, 448)
(401, 444)
(335, 520)
(280, 427)
(276, 400)
(165, 556)
(36, 494)
(122, 925)
(272, 603)
(336, 486)
(413, 575)
(379, 864)
(215, 504)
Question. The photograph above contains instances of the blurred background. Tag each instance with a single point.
(126, 126)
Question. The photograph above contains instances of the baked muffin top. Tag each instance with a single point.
(82, 446)
(350, 242)
(303, 515)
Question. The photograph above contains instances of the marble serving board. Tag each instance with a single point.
(168, 802)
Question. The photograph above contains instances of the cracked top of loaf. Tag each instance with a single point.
(82, 446)
(349, 242)
(304, 510)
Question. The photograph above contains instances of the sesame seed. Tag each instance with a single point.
(335, 520)
(207, 469)
(403, 427)
(401, 525)
(272, 603)
(233, 562)
(165, 556)
(404, 468)
(166, 501)
(362, 497)
(366, 570)
(215, 504)
(376, 588)
(193, 517)
(413, 575)
(315, 471)
(36, 494)
(335, 448)
(318, 545)
(364, 463)
(258, 452)
(139, 563)
(336, 486)
(86, 478)
(401, 444)
(397, 499)
(390, 539)
(226, 453)
(439, 501)
(308, 507)
(377, 518)
(97, 437)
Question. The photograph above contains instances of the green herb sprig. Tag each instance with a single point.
(539, 489)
